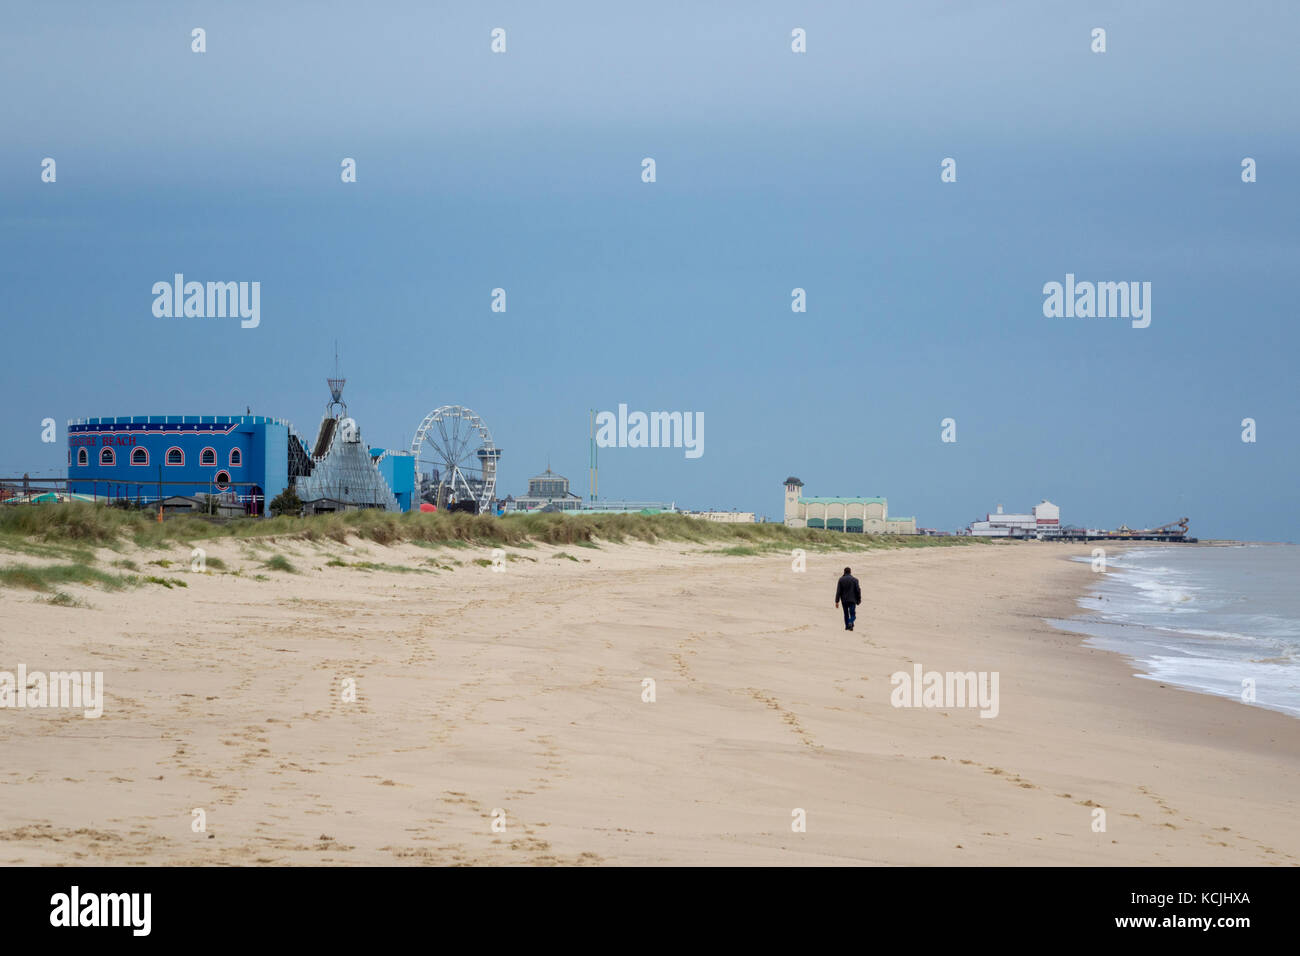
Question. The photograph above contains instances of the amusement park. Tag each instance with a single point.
(228, 465)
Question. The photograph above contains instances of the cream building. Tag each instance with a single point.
(859, 515)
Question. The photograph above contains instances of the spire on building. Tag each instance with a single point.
(336, 388)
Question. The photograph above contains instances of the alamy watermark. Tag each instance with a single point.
(129, 910)
(1102, 300)
(35, 690)
(654, 430)
(945, 689)
(213, 300)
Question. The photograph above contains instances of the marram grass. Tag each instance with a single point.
(85, 524)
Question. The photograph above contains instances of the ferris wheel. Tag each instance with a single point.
(456, 459)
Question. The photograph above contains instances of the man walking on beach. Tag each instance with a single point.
(848, 593)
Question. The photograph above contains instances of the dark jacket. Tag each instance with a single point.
(848, 591)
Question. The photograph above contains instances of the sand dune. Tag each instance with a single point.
(521, 692)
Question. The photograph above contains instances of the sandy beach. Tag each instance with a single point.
(517, 697)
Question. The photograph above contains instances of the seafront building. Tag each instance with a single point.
(1044, 519)
(546, 492)
(1044, 524)
(242, 461)
(153, 457)
(549, 492)
(856, 515)
(612, 507)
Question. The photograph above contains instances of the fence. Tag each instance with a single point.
(27, 490)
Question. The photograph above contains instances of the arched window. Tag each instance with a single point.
(236, 458)
(106, 457)
(208, 456)
(223, 480)
(83, 457)
(69, 456)
(140, 456)
(175, 456)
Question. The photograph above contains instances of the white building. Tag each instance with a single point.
(1044, 519)
(546, 492)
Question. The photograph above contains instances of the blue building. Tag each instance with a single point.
(148, 457)
(244, 460)
(248, 459)
(398, 469)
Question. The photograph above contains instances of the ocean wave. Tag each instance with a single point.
(1246, 615)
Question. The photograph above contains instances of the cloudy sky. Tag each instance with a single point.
(775, 170)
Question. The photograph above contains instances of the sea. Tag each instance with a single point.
(1221, 620)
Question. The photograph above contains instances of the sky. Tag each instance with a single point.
(775, 170)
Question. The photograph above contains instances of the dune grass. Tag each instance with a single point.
(63, 599)
(49, 577)
(79, 525)
(278, 562)
(376, 566)
(69, 532)
(168, 583)
(72, 551)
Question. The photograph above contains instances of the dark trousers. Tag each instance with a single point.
(850, 613)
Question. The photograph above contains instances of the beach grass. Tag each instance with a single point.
(278, 562)
(78, 525)
(375, 566)
(64, 599)
(168, 583)
(50, 577)
(62, 551)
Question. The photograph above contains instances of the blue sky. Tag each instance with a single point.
(775, 170)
